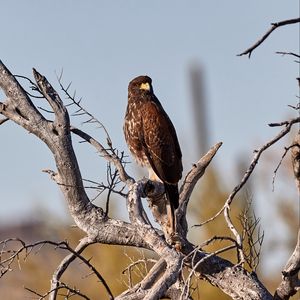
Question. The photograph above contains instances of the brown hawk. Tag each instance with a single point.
(152, 139)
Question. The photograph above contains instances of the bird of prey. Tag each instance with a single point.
(152, 139)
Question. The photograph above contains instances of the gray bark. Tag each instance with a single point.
(163, 278)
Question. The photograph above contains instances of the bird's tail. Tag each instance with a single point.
(172, 194)
(173, 199)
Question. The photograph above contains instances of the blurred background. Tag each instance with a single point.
(190, 51)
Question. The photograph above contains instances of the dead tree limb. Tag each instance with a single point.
(290, 283)
(155, 241)
(232, 279)
(55, 282)
(295, 151)
(198, 169)
(265, 36)
(19, 108)
(99, 228)
(3, 120)
(9, 256)
(288, 53)
(257, 154)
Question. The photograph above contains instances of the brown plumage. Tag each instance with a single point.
(152, 139)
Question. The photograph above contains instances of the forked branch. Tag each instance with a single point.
(296, 159)
(98, 226)
(265, 36)
(257, 154)
(8, 257)
(290, 283)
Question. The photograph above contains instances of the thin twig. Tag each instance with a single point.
(253, 164)
(238, 237)
(74, 291)
(3, 120)
(35, 292)
(61, 286)
(34, 87)
(286, 150)
(278, 124)
(264, 37)
(288, 53)
(194, 267)
(111, 179)
(251, 232)
(84, 243)
(110, 157)
(15, 254)
(140, 261)
(215, 238)
(290, 283)
(81, 110)
(226, 207)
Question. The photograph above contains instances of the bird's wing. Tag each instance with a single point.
(160, 142)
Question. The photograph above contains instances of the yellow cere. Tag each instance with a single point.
(145, 86)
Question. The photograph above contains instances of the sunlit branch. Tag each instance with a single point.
(264, 37)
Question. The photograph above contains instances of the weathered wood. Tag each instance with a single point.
(231, 279)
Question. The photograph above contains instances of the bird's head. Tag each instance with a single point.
(140, 85)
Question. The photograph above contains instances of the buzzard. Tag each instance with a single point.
(152, 139)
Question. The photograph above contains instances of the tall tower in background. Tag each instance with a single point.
(199, 106)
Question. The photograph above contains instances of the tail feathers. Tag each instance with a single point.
(173, 199)
(172, 194)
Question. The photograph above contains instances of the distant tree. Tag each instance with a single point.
(179, 261)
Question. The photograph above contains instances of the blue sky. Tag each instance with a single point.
(102, 45)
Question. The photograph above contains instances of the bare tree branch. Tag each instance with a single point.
(295, 151)
(241, 285)
(290, 283)
(113, 158)
(286, 150)
(288, 125)
(264, 37)
(88, 217)
(252, 237)
(189, 183)
(55, 282)
(9, 256)
(158, 204)
(226, 207)
(233, 280)
(80, 109)
(3, 120)
(156, 242)
(288, 53)
(61, 286)
(72, 291)
(257, 155)
(154, 273)
(195, 174)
